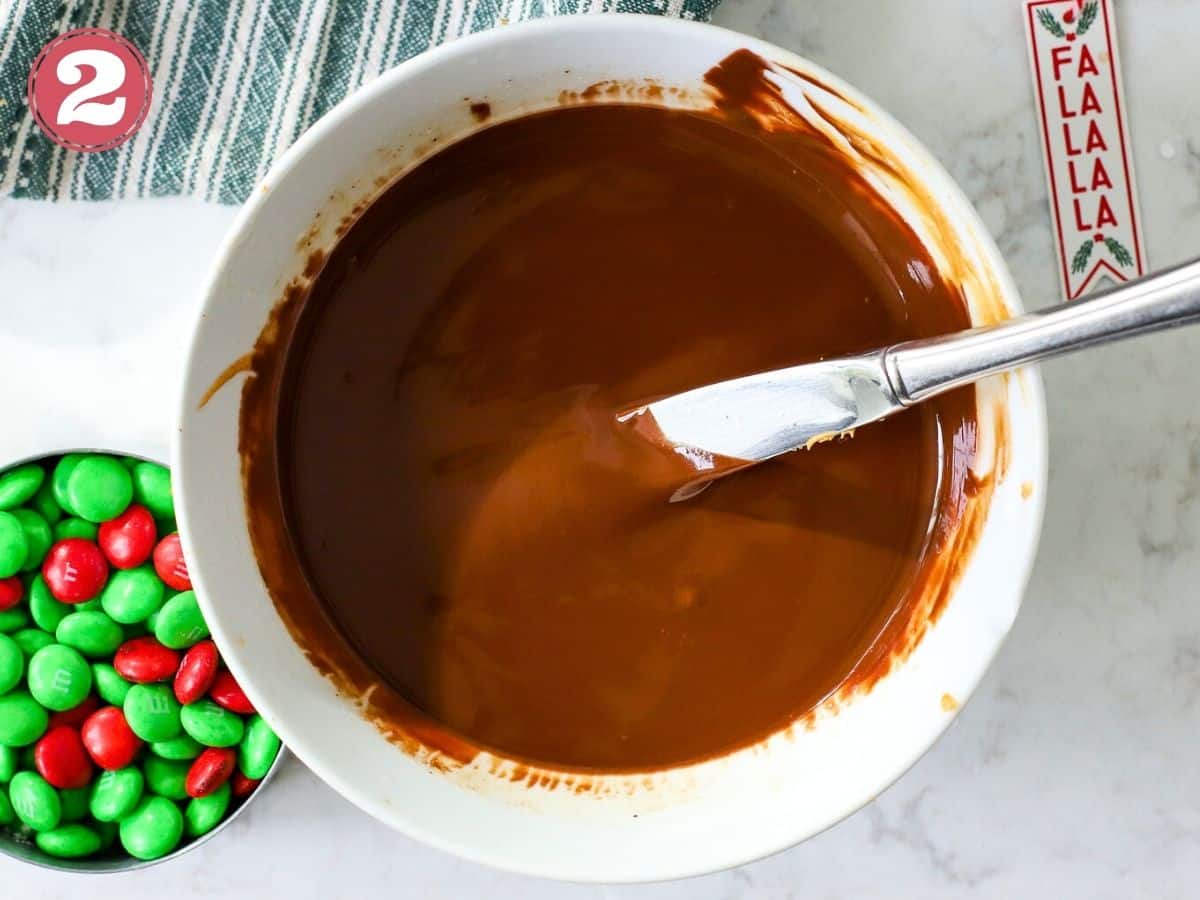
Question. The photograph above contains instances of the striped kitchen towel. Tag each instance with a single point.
(235, 81)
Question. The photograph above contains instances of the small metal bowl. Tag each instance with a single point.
(114, 860)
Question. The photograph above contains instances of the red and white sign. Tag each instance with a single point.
(89, 90)
(1089, 166)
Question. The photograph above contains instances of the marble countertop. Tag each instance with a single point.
(1071, 772)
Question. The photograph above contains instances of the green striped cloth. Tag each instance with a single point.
(235, 81)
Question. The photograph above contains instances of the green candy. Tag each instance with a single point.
(180, 622)
(74, 803)
(152, 489)
(92, 605)
(46, 611)
(9, 760)
(91, 632)
(258, 748)
(75, 528)
(35, 802)
(13, 619)
(31, 640)
(59, 478)
(167, 777)
(59, 678)
(45, 504)
(38, 538)
(116, 793)
(7, 815)
(69, 841)
(20, 484)
(14, 546)
(182, 747)
(111, 687)
(131, 595)
(153, 829)
(12, 664)
(211, 725)
(202, 814)
(131, 462)
(152, 712)
(99, 488)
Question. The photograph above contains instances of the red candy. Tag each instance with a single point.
(108, 738)
(128, 540)
(75, 570)
(143, 660)
(170, 565)
(241, 785)
(229, 694)
(210, 770)
(196, 672)
(11, 592)
(77, 715)
(60, 758)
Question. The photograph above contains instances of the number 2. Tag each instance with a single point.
(78, 105)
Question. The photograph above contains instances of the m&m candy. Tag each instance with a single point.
(128, 540)
(170, 565)
(197, 672)
(61, 759)
(228, 693)
(143, 660)
(75, 570)
(109, 739)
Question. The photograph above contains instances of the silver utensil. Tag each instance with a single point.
(760, 416)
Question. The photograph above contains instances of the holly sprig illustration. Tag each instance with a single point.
(1120, 253)
(1050, 23)
(1082, 255)
(1087, 16)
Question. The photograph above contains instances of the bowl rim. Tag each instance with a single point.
(81, 866)
(1036, 437)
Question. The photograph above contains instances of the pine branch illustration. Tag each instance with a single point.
(1050, 23)
(1082, 255)
(1087, 17)
(1119, 252)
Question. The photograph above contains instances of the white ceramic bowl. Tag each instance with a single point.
(673, 823)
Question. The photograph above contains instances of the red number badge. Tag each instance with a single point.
(89, 90)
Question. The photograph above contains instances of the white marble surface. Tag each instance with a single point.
(1072, 772)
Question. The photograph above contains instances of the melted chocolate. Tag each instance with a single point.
(438, 451)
